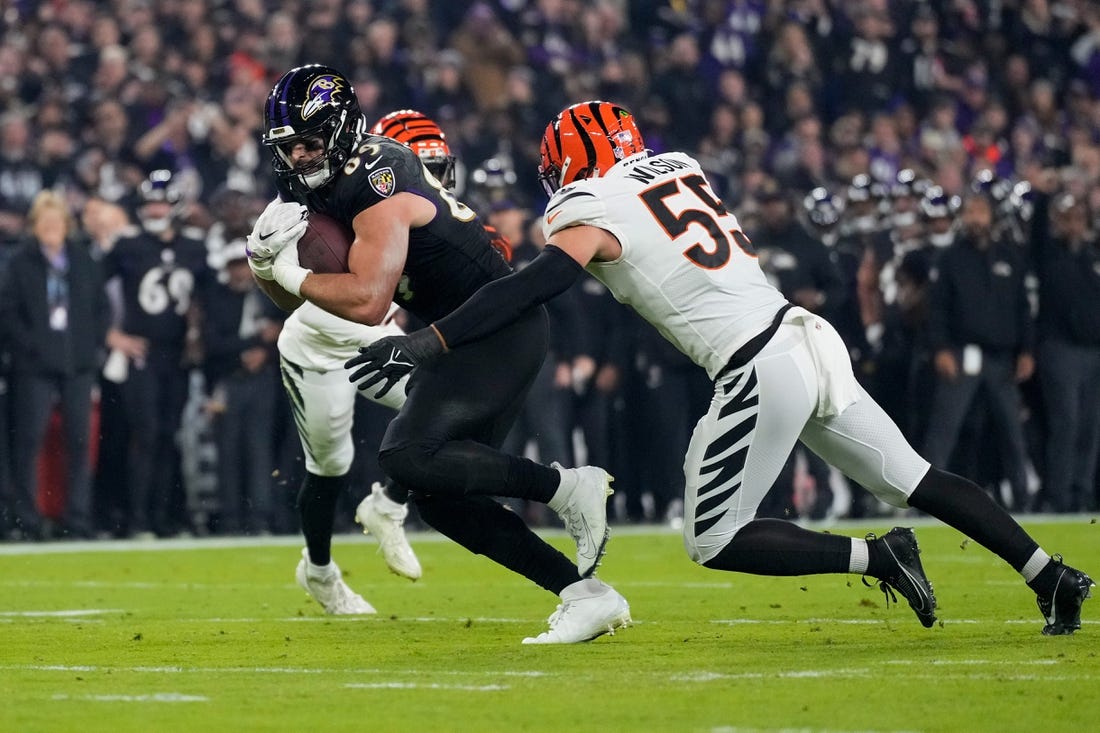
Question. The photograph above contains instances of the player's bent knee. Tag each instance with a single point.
(702, 547)
(409, 465)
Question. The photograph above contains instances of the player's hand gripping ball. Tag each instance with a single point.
(280, 225)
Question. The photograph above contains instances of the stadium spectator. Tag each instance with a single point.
(157, 269)
(1068, 262)
(53, 314)
(20, 178)
(239, 330)
(682, 89)
(489, 52)
(982, 336)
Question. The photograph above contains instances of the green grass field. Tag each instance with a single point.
(208, 636)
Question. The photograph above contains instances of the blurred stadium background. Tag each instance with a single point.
(850, 138)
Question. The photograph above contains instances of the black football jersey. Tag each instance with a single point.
(158, 279)
(448, 259)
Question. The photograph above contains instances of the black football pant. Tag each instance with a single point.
(444, 447)
(1070, 376)
(153, 397)
(954, 399)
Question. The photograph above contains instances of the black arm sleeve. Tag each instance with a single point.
(502, 301)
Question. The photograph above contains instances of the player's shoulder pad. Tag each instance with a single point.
(376, 169)
(382, 165)
(573, 205)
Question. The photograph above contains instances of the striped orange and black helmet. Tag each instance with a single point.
(420, 133)
(585, 140)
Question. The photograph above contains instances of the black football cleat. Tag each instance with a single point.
(906, 575)
(1062, 608)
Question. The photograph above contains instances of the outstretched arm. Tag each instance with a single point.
(494, 306)
(502, 301)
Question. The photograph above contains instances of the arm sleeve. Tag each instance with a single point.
(502, 301)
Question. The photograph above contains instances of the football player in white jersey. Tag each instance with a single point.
(650, 227)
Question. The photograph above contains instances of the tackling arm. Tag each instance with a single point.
(502, 301)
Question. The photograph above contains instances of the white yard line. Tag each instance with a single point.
(869, 621)
(423, 686)
(155, 697)
(860, 673)
(739, 729)
(1005, 662)
(693, 678)
(135, 584)
(62, 613)
(428, 536)
(115, 669)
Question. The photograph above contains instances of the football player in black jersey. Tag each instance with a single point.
(156, 270)
(417, 245)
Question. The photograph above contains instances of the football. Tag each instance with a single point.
(324, 246)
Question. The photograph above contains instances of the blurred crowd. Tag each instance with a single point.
(925, 173)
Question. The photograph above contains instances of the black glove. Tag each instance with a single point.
(389, 359)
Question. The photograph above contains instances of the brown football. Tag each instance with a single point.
(324, 247)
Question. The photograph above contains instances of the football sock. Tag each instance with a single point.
(536, 481)
(861, 556)
(961, 504)
(1038, 562)
(1041, 574)
(777, 547)
(395, 492)
(317, 510)
(485, 527)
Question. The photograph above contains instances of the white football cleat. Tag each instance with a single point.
(384, 518)
(325, 584)
(589, 608)
(581, 502)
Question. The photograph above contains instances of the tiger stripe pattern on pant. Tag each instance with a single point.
(736, 420)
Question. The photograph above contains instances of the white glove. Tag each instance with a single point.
(279, 227)
(287, 272)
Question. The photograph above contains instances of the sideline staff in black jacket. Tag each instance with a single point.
(53, 313)
(982, 335)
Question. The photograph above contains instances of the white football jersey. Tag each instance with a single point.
(686, 267)
(315, 339)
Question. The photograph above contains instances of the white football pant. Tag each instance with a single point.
(757, 414)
